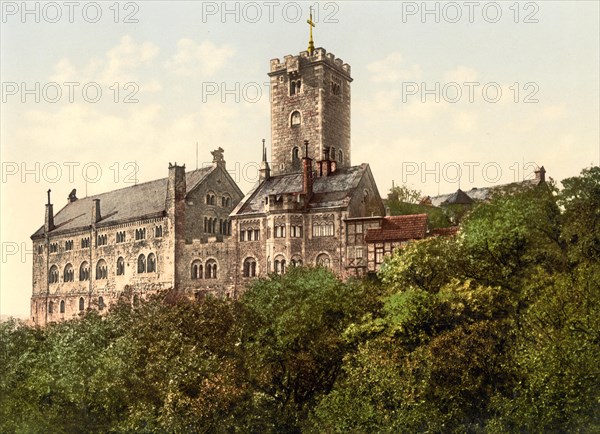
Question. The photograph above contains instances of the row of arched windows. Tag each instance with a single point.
(217, 226)
(61, 305)
(145, 264)
(211, 199)
(204, 271)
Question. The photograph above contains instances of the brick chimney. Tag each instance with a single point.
(96, 215)
(307, 173)
(49, 220)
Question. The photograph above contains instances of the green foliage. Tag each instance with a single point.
(403, 200)
(494, 330)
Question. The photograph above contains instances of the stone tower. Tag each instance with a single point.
(310, 100)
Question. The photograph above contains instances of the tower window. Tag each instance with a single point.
(296, 119)
(336, 86)
(295, 86)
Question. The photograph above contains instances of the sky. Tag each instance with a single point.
(100, 95)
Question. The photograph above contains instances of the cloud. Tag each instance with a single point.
(120, 64)
(192, 58)
(390, 69)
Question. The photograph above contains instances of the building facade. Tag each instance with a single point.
(196, 232)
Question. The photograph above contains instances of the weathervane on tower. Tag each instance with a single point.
(311, 44)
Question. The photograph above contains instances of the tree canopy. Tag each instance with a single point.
(496, 329)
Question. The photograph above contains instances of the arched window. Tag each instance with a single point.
(158, 231)
(101, 270)
(323, 260)
(197, 269)
(53, 274)
(141, 264)
(101, 304)
(249, 267)
(62, 306)
(120, 266)
(151, 263)
(340, 157)
(81, 304)
(68, 274)
(211, 269)
(279, 265)
(296, 118)
(84, 271)
(50, 307)
(296, 262)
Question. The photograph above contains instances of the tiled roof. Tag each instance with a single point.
(399, 228)
(139, 201)
(328, 191)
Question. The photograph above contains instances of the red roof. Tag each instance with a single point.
(399, 228)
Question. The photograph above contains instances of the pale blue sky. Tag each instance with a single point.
(174, 51)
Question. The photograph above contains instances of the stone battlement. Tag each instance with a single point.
(290, 62)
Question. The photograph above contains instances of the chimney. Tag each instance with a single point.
(96, 216)
(387, 211)
(72, 196)
(325, 166)
(265, 170)
(175, 213)
(49, 220)
(176, 186)
(540, 175)
(307, 174)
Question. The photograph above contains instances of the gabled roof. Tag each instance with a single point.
(335, 190)
(145, 200)
(399, 228)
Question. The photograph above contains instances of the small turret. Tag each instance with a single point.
(265, 170)
(49, 220)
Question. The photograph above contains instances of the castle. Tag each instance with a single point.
(197, 233)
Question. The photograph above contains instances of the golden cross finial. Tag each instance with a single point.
(311, 44)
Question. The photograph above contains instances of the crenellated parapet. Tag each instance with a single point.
(292, 64)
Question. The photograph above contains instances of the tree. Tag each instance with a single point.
(291, 339)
